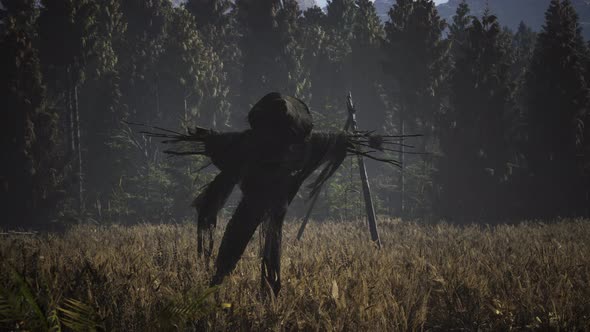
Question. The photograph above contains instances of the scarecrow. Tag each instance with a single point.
(270, 161)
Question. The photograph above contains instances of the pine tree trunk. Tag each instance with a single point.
(74, 128)
(401, 159)
(157, 98)
(186, 121)
(69, 118)
(78, 149)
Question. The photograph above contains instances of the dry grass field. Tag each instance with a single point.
(531, 276)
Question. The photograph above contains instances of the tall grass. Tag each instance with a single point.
(426, 277)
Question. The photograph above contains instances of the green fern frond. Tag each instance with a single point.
(26, 293)
(187, 309)
(8, 307)
(20, 309)
(78, 316)
(54, 321)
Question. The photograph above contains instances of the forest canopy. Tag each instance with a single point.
(503, 114)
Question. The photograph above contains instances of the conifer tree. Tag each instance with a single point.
(191, 73)
(291, 63)
(315, 45)
(417, 59)
(143, 44)
(473, 133)
(259, 45)
(209, 14)
(417, 62)
(523, 45)
(216, 25)
(366, 66)
(557, 99)
(103, 109)
(269, 56)
(29, 172)
(66, 39)
(340, 24)
(458, 29)
(341, 18)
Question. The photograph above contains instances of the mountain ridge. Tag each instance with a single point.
(509, 12)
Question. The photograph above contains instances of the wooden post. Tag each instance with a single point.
(314, 199)
(369, 207)
(307, 215)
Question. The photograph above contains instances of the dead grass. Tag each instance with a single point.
(426, 277)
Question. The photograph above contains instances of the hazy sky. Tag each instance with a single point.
(322, 3)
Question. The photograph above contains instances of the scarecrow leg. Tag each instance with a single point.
(237, 234)
(205, 242)
(271, 254)
(208, 204)
(204, 245)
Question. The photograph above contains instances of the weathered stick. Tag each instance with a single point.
(369, 207)
(307, 215)
(315, 197)
(371, 219)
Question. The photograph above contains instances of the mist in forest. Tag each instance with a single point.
(501, 110)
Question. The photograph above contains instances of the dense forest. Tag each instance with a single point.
(512, 12)
(503, 114)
